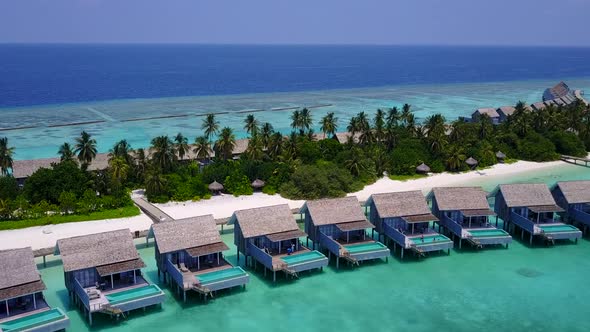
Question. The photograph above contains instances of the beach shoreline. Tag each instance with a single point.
(223, 206)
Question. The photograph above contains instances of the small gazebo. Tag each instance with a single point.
(423, 169)
(257, 184)
(216, 187)
(471, 162)
(500, 156)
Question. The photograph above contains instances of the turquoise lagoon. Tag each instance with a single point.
(452, 100)
(496, 289)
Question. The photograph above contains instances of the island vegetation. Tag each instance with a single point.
(301, 165)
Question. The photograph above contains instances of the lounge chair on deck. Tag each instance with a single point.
(183, 267)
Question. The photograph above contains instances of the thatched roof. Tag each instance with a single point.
(500, 155)
(257, 184)
(460, 198)
(265, 220)
(93, 250)
(241, 146)
(18, 273)
(334, 210)
(401, 204)
(559, 90)
(186, 233)
(471, 161)
(506, 110)
(575, 191)
(343, 137)
(423, 168)
(130, 265)
(215, 186)
(526, 195)
(489, 111)
(25, 168)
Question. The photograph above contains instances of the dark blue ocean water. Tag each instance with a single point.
(48, 74)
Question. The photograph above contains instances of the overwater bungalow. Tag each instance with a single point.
(404, 218)
(339, 225)
(574, 198)
(22, 304)
(189, 253)
(270, 236)
(464, 212)
(531, 207)
(102, 274)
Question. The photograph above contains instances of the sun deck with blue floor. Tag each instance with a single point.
(404, 219)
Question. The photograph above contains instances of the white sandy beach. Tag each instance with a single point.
(223, 206)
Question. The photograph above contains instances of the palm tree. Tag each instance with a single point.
(329, 124)
(410, 124)
(455, 158)
(354, 126)
(379, 124)
(224, 146)
(85, 148)
(202, 148)
(181, 145)
(251, 125)
(275, 146)
(306, 119)
(210, 126)
(393, 117)
(66, 153)
(255, 151)
(406, 111)
(124, 150)
(140, 163)
(154, 182)
(296, 120)
(485, 126)
(5, 156)
(119, 170)
(355, 162)
(266, 134)
(164, 154)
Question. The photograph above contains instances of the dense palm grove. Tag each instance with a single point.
(302, 165)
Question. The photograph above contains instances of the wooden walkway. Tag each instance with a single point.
(151, 210)
(574, 160)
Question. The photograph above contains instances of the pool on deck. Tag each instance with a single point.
(133, 294)
(219, 275)
(430, 239)
(487, 232)
(558, 228)
(30, 321)
(303, 257)
(364, 247)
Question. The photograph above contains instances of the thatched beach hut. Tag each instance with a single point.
(22, 304)
(574, 198)
(102, 269)
(339, 225)
(189, 253)
(258, 184)
(500, 156)
(532, 208)
(270, 236)
(464, 212)
(404, 218)
(215, 187)
(422, 169)
(471, 162)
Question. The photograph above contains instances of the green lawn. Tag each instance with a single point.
(128, 211)
(406, 177)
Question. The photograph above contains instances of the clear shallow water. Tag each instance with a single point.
(452, 100)
(516, 289)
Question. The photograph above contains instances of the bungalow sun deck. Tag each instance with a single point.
(531, 208)
(189, 253)
(339, 226)
(102, 273)
(405, 218)
(465, 214)
(269, 236)
(22, 304)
